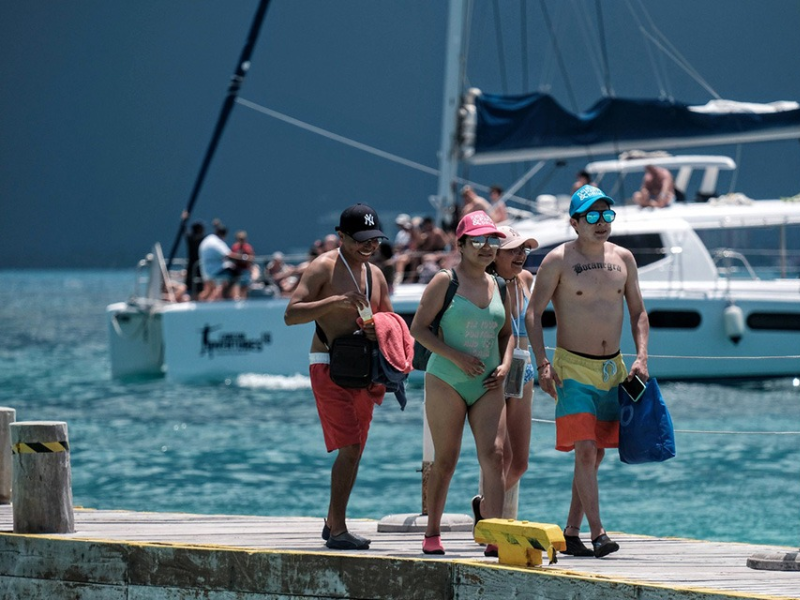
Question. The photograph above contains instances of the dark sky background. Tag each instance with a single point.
(107, 106)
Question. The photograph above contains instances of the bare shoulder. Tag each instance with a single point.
(555, 258)
(625, 254)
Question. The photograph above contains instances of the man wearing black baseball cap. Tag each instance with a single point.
(361, 223)
(334, 289)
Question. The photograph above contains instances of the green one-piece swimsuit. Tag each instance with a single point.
(473, 330)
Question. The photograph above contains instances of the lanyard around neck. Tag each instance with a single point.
(515, 321)
(349, 270)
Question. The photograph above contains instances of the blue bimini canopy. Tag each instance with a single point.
(535, 126)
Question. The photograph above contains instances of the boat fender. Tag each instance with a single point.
(734, 323)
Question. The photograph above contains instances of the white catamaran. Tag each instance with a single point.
(713, 312)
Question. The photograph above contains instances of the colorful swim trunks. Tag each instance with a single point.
(588, 406)
(345, 414)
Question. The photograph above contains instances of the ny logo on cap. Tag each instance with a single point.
(368, 220)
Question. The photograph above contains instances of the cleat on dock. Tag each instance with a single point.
(521, 543)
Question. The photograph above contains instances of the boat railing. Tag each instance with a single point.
(724, 261)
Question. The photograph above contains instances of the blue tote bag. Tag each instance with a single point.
(645, 427)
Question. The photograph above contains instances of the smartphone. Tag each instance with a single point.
(634, 388)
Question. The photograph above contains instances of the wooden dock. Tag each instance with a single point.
(119, 555)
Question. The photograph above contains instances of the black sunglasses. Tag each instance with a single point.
(593, 216)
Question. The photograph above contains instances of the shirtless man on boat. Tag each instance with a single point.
(332, 291)
(658, 188)
(587, 280)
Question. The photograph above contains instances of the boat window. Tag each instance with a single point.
(674, 319)
(774, 321)
(647, 248)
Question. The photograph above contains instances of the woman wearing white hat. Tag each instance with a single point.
(515, 425)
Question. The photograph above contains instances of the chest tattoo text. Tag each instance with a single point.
(595, 265)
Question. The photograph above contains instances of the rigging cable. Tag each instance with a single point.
(523, 32)
(657, 66)
(501, 56)
(559, 57)
(609, 91)
(673, 53)
(723, 432)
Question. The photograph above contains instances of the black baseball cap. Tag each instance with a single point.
(361, 223)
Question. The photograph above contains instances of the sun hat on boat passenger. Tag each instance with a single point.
(360, 222)
(477, 223)
(585, 197)
(514, 239)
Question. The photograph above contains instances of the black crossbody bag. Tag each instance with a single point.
(354, 357)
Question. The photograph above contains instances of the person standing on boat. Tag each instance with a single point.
(333, 290)
(218, 267)
(589, 281)
(515, 426)
(658, 188)
(194, 282)
(465, 373)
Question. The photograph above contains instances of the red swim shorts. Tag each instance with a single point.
(345, 413)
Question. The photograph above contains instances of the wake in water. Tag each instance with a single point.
(256, 381)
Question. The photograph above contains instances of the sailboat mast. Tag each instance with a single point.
(453, 76)
(227, 106)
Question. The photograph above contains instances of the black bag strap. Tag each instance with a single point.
(501, 285)
(448, 298)
(321, 334)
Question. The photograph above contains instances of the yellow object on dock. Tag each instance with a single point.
(521, 543)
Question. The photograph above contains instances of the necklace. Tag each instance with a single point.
(353, 277)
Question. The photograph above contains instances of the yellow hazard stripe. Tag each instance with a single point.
(39, 447)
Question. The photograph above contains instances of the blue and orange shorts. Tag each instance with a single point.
(588, 405)
(344, 413)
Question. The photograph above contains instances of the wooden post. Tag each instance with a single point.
(7, 416)
(42, 481)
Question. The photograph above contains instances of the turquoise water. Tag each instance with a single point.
(254, 446)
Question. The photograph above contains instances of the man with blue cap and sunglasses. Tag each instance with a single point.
(587, 280)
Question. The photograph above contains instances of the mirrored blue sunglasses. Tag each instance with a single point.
(479, 241)
(593, 216)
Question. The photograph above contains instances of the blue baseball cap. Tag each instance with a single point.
(585, 197)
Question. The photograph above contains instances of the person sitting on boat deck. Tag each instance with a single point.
(515, 426)
(244, 268)
(405, 244)
(333, 290)
(195, 235)
(658, 188)
(465, 373)
(220, 277)
(281, 274)
(582, 178)
(589, 281)
(472, 202)
(498, 210)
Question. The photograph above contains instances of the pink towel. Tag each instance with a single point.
(394, 340)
